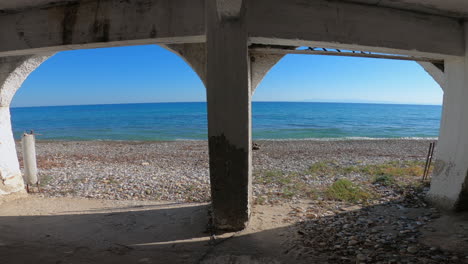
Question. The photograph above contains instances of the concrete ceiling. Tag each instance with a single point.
(452, 8)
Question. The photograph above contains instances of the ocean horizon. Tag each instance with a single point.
(188, 121)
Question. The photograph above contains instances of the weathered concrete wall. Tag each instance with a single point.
(13, 72)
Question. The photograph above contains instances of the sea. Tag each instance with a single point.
(188, 121)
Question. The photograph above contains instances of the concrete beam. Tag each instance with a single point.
(13, 72)
(349, 25)
(101, 23)
(229, 119)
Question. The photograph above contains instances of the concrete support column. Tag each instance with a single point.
(229, 118)
(449, 186)
(13, 71)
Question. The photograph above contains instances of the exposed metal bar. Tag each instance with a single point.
(347, 54)
(427, 167)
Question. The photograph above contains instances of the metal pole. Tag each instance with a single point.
(430, 159)
(29, 159)
(430, 154)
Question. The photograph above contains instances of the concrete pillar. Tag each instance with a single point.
(13, 71)
(449, 186)
(229, 117)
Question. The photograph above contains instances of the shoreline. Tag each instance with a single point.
(344, 139)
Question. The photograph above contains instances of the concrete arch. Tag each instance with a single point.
(261, 64)
(194, 54)
(435, 72)
(13, 72)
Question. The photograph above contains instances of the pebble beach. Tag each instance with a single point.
(178, 170)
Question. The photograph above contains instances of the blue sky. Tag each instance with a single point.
(143, 74)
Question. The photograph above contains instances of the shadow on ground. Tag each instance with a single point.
(64, 230)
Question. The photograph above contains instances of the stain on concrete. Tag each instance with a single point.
(443, 168)
(229, 175)
(101, 30)
(68, 22)
(153, 32)
(439, 166)
(462, 203)
(142, 7)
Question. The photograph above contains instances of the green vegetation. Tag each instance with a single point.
(345, 190)
(385, 180)
(44, 180)
(394, 168)
(297, 184)
(323, 168)
(288, 185)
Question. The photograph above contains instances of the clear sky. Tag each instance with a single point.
(141, 74)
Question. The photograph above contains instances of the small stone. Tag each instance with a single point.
(352, 242)
(361, 257)
(412, 249)
(145, 164)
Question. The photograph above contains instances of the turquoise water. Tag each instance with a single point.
(187, 121)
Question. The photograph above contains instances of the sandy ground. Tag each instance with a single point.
(68, 230)
(76, 230)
